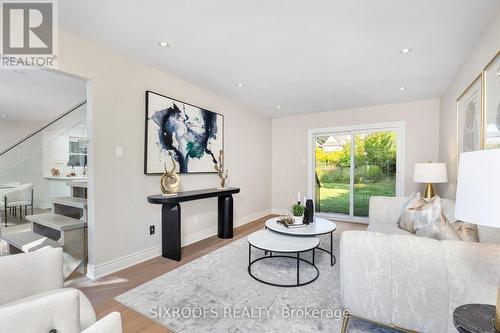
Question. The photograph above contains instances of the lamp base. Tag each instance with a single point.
(429, 191)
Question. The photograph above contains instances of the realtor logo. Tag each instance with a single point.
(28, 34)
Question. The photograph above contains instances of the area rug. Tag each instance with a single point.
(216, 294)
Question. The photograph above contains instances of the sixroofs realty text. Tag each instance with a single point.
(213, 312)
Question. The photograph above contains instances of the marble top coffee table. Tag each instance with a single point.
(272, 242)
(320, 226)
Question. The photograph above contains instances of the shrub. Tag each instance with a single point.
(367, 174)
(334, 175)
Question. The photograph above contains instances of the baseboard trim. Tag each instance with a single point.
(118, 264)
(98, 271)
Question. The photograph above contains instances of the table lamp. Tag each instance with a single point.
(430, 173)
(478, 194)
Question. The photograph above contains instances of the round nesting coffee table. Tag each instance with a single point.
(318, 227)
(274, 242)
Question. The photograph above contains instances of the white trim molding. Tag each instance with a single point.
(98, 271)
(398, 126)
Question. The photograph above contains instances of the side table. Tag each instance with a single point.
(475, 318)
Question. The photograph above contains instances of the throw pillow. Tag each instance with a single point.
(405, 220)
(439, 229)
(423, 213)
(466, 231)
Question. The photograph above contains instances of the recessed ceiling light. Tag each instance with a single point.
(4, 116)
(278, 106)
(402, 88)
(405, 50)
(163, 44)
(240, 85)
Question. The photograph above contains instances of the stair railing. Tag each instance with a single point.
(27, 137)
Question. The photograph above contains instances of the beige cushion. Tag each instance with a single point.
(407, 218)
(87, 313)
(27, 274)
(488, 234)
(466, 231)
(440, 229)
(54, 309)
(425, 218)
(112, 323)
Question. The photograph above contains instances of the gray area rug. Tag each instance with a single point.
(215, 294)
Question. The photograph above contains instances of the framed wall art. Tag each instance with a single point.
(193, 135)
(469, 118)
(491, 85)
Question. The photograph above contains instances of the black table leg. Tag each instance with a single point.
(249, 256)
(331, 248)
(225, 223)
(298, 269)
(171, 231)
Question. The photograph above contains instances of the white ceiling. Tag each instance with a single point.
(35, 95)
(306, 56)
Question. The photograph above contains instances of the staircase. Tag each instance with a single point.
(65, 226)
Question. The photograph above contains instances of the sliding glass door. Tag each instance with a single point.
(333, 173)
(351, 166)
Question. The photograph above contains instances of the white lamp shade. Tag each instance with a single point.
(478, 188)
(430, 173)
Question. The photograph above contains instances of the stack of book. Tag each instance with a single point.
(289, 222)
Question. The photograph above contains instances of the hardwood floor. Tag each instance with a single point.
(102, 291)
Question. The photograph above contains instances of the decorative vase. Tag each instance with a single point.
(219, 167)
(309, 213)
(170, 181)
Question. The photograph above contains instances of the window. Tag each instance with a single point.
(77, 152)
(349, 165)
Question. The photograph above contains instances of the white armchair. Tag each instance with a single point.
(20, 196)
(32, 297)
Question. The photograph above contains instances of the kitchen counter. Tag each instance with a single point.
(65, 178)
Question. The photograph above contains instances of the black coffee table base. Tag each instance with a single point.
(333, 259)
(297, 257)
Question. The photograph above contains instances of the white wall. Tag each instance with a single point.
(119, 212)
(290, 137)
(480, 55)
(13, 131)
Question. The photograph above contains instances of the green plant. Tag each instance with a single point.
(367, 174)
(298, 209)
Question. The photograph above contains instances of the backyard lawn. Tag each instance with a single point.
(334, 197)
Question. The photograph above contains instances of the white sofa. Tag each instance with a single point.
(396, 279)
(32, 297)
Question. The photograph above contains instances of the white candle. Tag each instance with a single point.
(304, 202)
(298, 197)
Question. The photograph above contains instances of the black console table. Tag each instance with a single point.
(171, 216)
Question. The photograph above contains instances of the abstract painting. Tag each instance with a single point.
(491, 77)
(469, 111)
(194, 136)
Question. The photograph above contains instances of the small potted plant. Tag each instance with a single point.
(298, 213)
